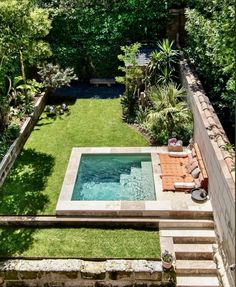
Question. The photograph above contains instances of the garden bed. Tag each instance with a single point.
(26, 125)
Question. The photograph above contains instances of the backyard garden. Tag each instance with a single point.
(59, 47)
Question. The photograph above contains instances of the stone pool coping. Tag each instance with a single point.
(167, 201)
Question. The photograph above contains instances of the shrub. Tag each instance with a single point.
(210, 46)
(132, 79)
(53, 76)
(169, 114)
(7, 137)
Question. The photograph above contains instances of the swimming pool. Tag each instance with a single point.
(111, 181)
(114, 177)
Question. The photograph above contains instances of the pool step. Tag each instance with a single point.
(147, 180)
(131, 185)
(136, 173)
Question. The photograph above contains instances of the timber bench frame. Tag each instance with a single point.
(102, 81)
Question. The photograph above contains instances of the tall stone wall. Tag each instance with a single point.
(210, 136)
(14, 150)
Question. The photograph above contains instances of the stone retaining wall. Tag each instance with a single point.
(211, 138)
(10, 157)
(75, 272)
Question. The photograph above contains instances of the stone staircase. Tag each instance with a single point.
(191, 241)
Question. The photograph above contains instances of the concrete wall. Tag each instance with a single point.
(75, 272)
(14, 150)
(210, 136)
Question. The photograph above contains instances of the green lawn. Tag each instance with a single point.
(79, 242)
(35, 181)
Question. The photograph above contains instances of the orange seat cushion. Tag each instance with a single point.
(173, 170)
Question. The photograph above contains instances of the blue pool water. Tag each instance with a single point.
(114, 177)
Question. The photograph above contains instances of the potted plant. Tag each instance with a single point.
(167, 259)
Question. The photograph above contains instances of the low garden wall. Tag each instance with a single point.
(211, 139)
(75, 272)
(10, 157)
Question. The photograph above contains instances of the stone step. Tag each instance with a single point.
(136, 173)
(190, 235)
(193, 251)
(124, 179)
(147, 180)
(182, 223)
(195, 267)
(197, 281)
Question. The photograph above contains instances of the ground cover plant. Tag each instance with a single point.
(79, 242)
(35, 181)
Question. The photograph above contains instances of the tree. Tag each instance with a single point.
(96, 29)
(132, 79)
(211, 47)
(22, 29)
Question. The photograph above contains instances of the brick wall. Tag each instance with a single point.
(14, 150)
(221, 179)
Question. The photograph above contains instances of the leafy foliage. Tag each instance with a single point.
(170, 114)
(22, 29)
(166, 256)
(132, 79)
(95, 30)
(53, 76)
(161, 67)
(210, 46)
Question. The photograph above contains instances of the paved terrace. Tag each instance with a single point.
(166, 203)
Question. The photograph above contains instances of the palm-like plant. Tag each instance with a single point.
(161, 65)
(170, 112)
(168, 54)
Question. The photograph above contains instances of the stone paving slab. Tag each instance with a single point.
(165, 201)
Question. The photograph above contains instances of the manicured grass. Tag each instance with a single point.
(35, 181)
(79, 242)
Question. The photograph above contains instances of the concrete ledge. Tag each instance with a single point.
(80, 272)
(14, 150)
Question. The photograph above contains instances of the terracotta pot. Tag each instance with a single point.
(166, 265)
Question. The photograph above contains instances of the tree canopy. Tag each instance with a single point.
(211, 48)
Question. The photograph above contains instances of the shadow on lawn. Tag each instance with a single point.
(22, 191)
(15, 241)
